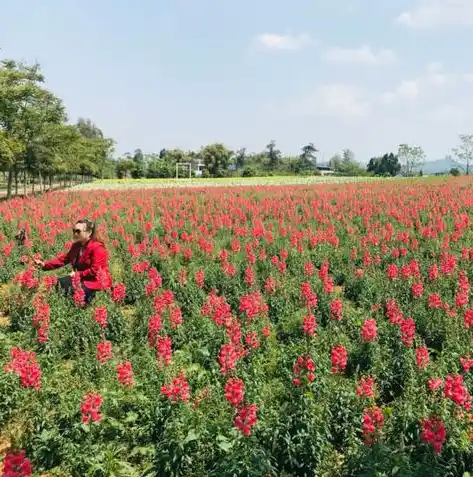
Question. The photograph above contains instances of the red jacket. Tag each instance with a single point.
(91, 265)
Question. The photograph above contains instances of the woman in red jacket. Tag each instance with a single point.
(89, 259)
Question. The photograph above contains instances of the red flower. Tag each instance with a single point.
(422, 357)
(90, 408)
(25, 366)
(365, 387)
(467, 363)
(373, 421)
(309, 324)
(309, 297)
(16, 464)
(164, 349)
(304, 366)
(435, 384)
(392, 271)
(408, 330)
(339, 359)
(178, 390)
(200, 278)
(336, 307)
(119, 293)
(433, 432)
(433, 272)
(435, 301)
(246, 418)
(228, 358)
(125, 373)
(100, 316)
(104, 351)
(457, 392)
(234, 391)
(369, 331)
(417, 290)
(309, 269)
(468, 318)
(251, 339)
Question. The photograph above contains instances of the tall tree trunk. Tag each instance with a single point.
(40, 181)
(10, 182)
(25, 183)
(16, 181)
(33, 183)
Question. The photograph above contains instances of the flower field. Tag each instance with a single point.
(298, 330)
(113, 184)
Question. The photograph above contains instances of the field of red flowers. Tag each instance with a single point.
(264, 331)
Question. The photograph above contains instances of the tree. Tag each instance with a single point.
(240, 158)
(26, 109)
(411, 158)
(88, 129)
(348, 156)
(387, 165)
(160, 168)
(308, 155)
(464, 152)
(216, 158)
(102, 146)
(124, 167)
(139, 170)
(335, 162)
(273, 155)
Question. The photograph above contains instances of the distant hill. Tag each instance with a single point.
(438, 167)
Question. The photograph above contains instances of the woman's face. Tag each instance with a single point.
(80, 233)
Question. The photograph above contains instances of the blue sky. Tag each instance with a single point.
(359, 74)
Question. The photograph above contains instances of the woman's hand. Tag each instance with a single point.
(38, 262)
(72, 274)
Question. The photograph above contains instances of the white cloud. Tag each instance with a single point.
(272, 41)
(336, 100)
(432, 82)
(359, 56)
(436, 13)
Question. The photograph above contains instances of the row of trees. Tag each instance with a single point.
(37, 144)
(219, 161)
(410, 159)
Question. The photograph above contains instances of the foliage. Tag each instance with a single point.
(464, 152)
(34, 135)
(387, 165)
(411, 158)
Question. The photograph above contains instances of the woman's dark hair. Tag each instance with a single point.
(89, 227)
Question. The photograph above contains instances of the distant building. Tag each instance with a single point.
(197, 167)
(325, 170)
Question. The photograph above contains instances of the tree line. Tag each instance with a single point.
(220, 161)
(37, 144)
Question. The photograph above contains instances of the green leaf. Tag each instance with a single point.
(204, 352)
(191, 436)
(225, 446)
(131, 417)
(85, 428)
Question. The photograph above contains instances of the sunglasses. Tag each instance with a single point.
(77, 231)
